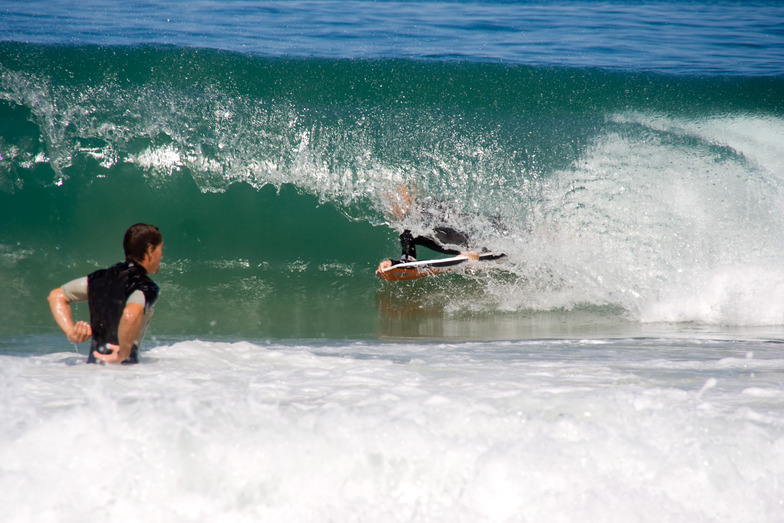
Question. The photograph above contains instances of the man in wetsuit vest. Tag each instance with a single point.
(121, 299)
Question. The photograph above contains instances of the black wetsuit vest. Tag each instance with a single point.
(448, 235)
(107, 292)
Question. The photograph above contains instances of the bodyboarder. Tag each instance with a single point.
(440, 240)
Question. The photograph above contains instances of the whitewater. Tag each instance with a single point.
(610, 430)
(624, 364)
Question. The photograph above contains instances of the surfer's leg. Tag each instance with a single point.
(450, 236)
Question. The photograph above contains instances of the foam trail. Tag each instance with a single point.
(397, 432)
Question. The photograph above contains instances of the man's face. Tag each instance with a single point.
(153, 258)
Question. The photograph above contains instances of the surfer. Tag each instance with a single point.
(443, 235)
(121, 299)
(400, 207)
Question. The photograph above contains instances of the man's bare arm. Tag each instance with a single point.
(127, 332)
(61, 312)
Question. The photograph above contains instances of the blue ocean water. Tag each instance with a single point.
(681, 37)
(624, 364)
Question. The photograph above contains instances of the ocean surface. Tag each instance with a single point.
(625, 363)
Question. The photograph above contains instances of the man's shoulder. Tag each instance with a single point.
(114, 269)
(140, 280)
(133, 275)
(75, 290)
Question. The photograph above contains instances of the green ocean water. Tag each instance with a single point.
(618, 196)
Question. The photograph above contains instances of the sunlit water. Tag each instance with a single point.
(625, 364)
(593, 430)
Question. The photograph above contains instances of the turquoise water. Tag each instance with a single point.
(624, 364)
(616, 194)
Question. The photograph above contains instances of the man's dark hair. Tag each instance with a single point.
(138, 238)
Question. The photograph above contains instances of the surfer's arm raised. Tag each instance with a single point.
(61, 312)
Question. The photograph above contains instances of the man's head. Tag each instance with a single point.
(141, 243)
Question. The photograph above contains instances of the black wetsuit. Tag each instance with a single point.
(107, 293)
(446, 235)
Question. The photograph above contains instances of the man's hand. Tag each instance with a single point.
(383, 265)
(112, 357)
(472, 256)
(81, 331)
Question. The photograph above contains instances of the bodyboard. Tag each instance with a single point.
(422, 268)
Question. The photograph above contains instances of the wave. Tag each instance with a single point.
(643, 195)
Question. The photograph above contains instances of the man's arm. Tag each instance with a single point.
(431, 244)
(127, 332)
(61, 312)
(448, 235)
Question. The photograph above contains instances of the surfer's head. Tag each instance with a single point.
(139, 239)
(400, 203)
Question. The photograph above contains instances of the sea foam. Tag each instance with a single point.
(592, 430)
